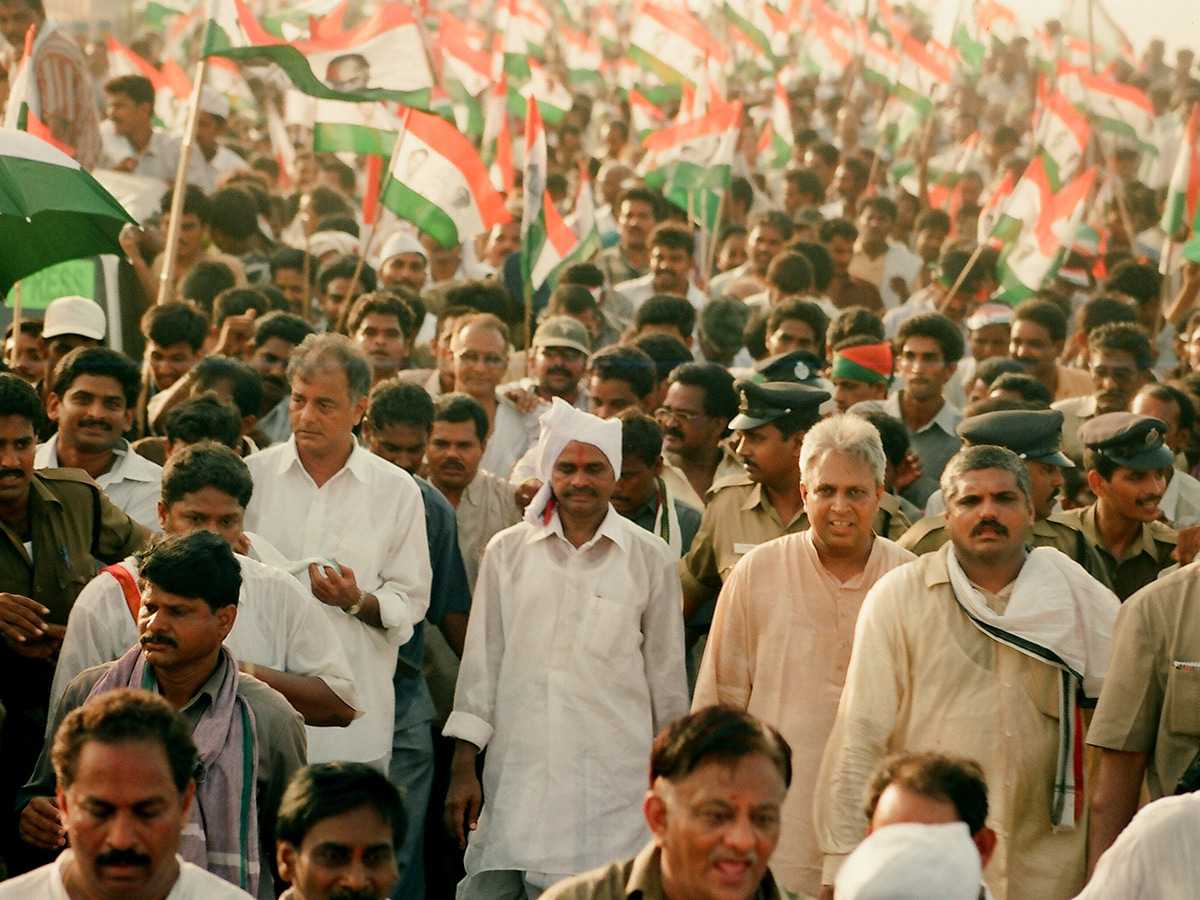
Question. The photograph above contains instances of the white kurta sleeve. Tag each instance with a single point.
(406, 573)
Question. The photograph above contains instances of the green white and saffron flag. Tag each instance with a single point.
(1036, 228)
(691, 161)
(533, 194)
(552, 96)
(1183, 193)
(1062, 134)
(777, 138)
(826, 50)
(583, 57)
(369, 129)
(1121, 109)
(674, 45)
(437, 181)
(382, 59)
(750, 18)
(565, 244)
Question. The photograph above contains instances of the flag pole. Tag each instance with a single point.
(306, 262)
(16, 319)
(366, 246)
(166, 283)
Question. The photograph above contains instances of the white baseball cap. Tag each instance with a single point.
(74, 315)
(401, 241)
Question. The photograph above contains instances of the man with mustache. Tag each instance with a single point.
(638, 211)
(1119, 360)
(92, 399)
(276, 335)
(249, 738)
(1126, 459)
(1034, 435)
(717, 783)
(672, 262)
(984, 650)
(573, 660)
(337, 833)
(124, 752)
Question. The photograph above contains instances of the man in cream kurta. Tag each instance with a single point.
(925, 675)
(573, 662)
(780, 640)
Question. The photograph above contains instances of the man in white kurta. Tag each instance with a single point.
(353, 527)
(951, 655)
(573, 661)
(780, 640)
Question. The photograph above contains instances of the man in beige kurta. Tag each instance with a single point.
(924, 676)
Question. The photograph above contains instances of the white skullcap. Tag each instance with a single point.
(340, 242)
(401, 241)
(214, 102)
(74, 315)
(912, 862)
(561, 424)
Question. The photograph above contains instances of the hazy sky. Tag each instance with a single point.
(1175, 21)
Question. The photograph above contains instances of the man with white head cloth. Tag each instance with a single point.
(573, 661)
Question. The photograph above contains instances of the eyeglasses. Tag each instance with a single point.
(471, 358)
(665, 412)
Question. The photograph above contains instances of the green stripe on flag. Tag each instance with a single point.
(342, 137)
(426, 215)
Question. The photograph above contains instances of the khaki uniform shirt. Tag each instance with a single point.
(1060, 531)
(779, 648)
(924, 678)
(639, 878)
(1150, 702)
(738, 518)
(1076, 411)
(1148, 555)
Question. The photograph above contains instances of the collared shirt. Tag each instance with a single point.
(370, 517)
(1073, 382)
(779, 648)
(617, 267)
(935, 443)
(205, 173)
(720, 281)
(1141, 562)
(895, 262)
(738, 518)
(513, 433)
(638, 290)
(1151, 698)
(573, 662)
(1181, 501)
(924, 678)
(487, 507)
(278, 739)
(1060, 531)
(62, 93)
(1076, 411)
(158, 159)
(133, 484)
(279, 625)
(639, 878)
(689, 519)
(49, 883)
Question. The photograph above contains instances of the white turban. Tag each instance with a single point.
(912, 862)
(561, 424)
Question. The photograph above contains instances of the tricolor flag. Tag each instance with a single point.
(381, 59)
(674, 45)
(1118, 108)
(553, 98)
(1088, 21)
(750, 18)
(462, 58)
(880, 62)
(827, 43)
(281, 145)
(438, 182)
(565, 244)
(583, 57)
(604, 26)
(1062, 135)
(942, 173)
(692, 161)
(645, 116)
(1183, 194)
(775, 143)
(536, 230)
(1036, 229)
(366, 128)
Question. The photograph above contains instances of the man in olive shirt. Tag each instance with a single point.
(57, 524)
(1035, 435)
(1125, 455)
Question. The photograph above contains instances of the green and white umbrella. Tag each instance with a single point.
(51, 209)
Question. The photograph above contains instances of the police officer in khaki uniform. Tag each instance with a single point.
(744, 511)
(56, 525)
(1125, 456)
(1035, 435)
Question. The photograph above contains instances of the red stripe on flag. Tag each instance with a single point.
(370, 206)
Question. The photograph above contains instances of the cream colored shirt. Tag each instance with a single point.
(924, 678)
(779, 648)
(488, 506)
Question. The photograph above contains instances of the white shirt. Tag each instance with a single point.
(573, 662)
(205, 173)
(638, 290)
(1155, 857)
(370, 517)
(133, 484)
(1181, 501)
(279, 625)
(513, 434)
(46, 883)
(158, 159)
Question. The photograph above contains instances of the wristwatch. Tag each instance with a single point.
(356, 607)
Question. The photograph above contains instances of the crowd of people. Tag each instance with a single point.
(331, 577)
